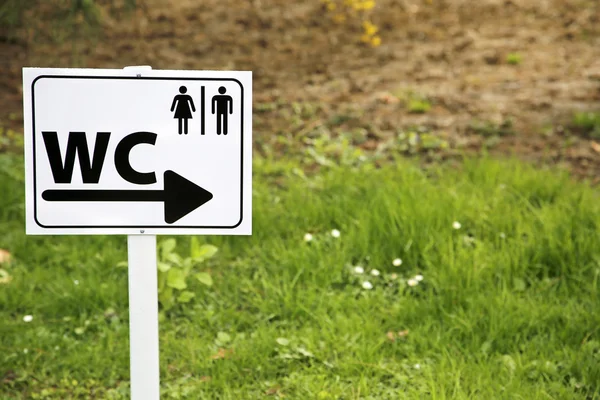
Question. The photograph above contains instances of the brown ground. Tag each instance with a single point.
(313, 77)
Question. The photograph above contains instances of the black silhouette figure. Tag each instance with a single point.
(223, 103)
(182, 112)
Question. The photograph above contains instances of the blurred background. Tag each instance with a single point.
(439, 78)
(367, 276)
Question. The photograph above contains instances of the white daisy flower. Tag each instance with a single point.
(359, 270)
(419, 278)
(397, 262)
(28, 318)
(502, 235)
(76, 282)
(367, 285)
(412, 282)
(417, 366)
(375, 272)
(468, 239)
(335, 233)
(456, 225)
(308, 237)
(25, 351)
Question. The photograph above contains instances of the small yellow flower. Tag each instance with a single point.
(376, 41)
(331, 6)
(368, 5)
(369, 28)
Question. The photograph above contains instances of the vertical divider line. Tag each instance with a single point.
(202, 110)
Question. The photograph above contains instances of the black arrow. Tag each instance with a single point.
(179, 195)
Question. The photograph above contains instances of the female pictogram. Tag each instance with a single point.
(182, 112)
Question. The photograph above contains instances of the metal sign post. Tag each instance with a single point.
(143, 317)
(144, 365)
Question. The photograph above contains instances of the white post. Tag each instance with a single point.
(143, 317)
(143, 309)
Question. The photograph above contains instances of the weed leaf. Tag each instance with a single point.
(176, 279)
(204, 278)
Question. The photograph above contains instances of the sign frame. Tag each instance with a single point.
(31, 76)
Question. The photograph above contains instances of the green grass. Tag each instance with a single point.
(418, 106)
(514, 58)
(507, 309)
(490, 129)
(587, 123)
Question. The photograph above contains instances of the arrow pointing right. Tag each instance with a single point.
(180, 196)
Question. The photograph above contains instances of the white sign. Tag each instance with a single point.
(132, 152)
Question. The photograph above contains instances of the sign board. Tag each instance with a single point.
(137, 152)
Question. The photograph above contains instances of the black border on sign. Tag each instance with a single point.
(137, 226)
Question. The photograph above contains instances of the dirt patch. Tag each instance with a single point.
(506, 76)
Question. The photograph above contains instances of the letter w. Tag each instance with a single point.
(77, 142)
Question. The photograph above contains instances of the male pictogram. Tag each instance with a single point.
(183, 112)
(224, 106)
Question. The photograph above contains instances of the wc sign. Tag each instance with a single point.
(122, 152)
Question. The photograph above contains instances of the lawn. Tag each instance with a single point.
(477, 280)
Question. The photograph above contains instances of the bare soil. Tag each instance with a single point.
(452, 53)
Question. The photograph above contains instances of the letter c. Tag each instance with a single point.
(122, 158)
